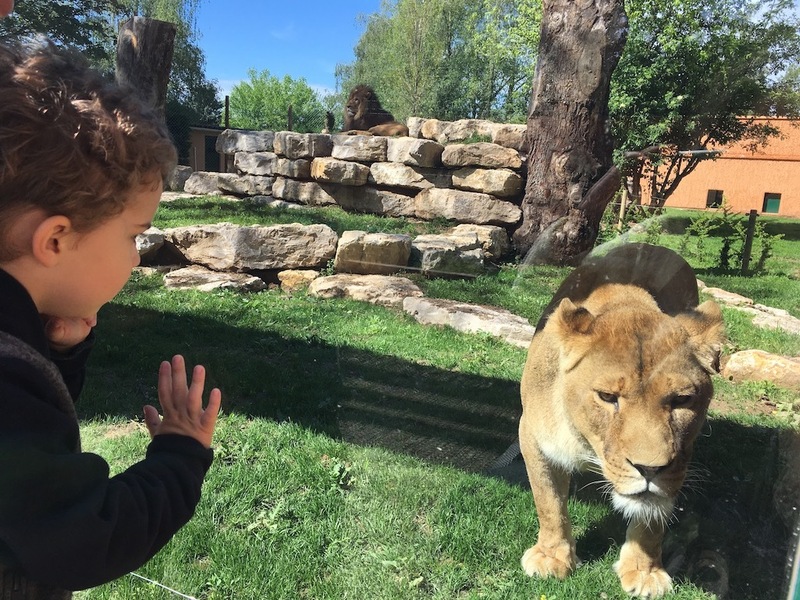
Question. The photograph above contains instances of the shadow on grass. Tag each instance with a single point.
(732, 532)
(439, 416)
(732, 529)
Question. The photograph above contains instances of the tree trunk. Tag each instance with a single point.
(571, 177)
(144, 58)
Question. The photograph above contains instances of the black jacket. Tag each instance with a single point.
(63, 521)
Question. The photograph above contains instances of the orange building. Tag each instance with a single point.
(767, 180)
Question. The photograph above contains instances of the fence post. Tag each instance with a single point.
(748, 241)
(623, 206)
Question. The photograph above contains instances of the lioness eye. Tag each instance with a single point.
(682, 400)
(606, 397)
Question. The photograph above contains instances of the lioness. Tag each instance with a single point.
(618, 380)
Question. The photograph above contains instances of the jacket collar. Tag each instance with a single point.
(19, 315)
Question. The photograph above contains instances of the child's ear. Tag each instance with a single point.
(49, 239)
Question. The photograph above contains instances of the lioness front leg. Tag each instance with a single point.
(554, 552)
(639, 566)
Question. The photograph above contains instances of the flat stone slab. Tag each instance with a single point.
(757, 365)
(384, 290)
(206, 280)
(471, 318)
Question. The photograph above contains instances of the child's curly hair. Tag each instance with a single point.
(71, 142)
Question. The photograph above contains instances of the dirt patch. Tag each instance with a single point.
(762, 406)
(123, 429)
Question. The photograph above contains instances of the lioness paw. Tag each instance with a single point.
(650, 583)
(558, 561)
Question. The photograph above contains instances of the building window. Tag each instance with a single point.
(714, 199)
(772, 203)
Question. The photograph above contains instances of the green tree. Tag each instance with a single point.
(92, 25)
(264, 101)
(83, 24)
(448, 59)
(692, 73)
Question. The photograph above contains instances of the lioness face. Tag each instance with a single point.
(640, 395)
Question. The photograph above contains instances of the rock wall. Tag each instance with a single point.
(435, 173)
(428, 175)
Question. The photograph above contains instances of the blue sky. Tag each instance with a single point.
(300, 39)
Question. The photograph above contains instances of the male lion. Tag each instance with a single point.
(617, 379)
(363, 115)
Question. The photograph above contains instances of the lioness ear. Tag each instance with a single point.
(572, 319)
(570, 325)
(707, 333)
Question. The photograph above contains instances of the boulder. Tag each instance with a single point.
(481, 154)
(200, 278)
(725, 297)
(465, 207)
(363, 148)
(297, 169)
(448, 132)
(302, 145)
(293, 280)
(374, 201)
(757, 365)
(378, 253)
(414, 126)
(510, 136)
(384, 290)
(504, 183)
(447, 256)
(149, 242)
(414, 152)
(471, 318)
(176, 180)
(202, 183)
(304, 192)
(332, 170)
(463, 129)
(493, 239)
(228, 247)
(245, 185)
(255, 163)
(772, 318)
(232, 141)
(400, 175)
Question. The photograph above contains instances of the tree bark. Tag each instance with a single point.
(571, 177)
(144, 58)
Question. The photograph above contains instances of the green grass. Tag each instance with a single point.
(290, 514)
(348, 455)
(211, 209)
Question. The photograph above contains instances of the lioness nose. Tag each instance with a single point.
(648, 472)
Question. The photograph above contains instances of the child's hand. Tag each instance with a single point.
(64, 333)
(183, 404)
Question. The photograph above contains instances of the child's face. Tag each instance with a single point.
(98, 263)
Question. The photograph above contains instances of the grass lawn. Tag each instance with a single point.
(351, 454)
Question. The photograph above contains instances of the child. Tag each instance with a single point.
(81, 169)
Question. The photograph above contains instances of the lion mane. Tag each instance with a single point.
(364, 115)
(617, 380)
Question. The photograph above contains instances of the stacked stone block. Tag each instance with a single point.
(434, 175)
